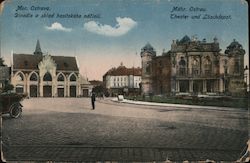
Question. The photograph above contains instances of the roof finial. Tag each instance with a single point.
(38, 50)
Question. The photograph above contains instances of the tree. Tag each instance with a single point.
(2, 62)
(100, 90)
(8, 87)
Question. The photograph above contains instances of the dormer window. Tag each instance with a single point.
(25, 63)
(65, 64)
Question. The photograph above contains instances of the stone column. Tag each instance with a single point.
(177, 86)
(78, 89)
(204, 86)
(68, 89)
(222, 86)
(28, 88)
(41, 88)
(65, 88)
(191, 86)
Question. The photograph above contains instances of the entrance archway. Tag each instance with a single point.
(60, 91)
(33, 91)
(47, 91)
(72, 91)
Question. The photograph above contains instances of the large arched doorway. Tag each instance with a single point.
(47, 89)
(72, 88)
(60, 86)
(20, 83)
(33, 90)
(33, 85)
(72, 91)
(60, 91)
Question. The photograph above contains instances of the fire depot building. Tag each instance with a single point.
(43, 75)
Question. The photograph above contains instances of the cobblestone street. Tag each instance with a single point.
(66, 129)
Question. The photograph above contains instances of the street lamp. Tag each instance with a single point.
(245, 76)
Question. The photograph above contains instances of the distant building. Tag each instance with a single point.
(194, 67)
(85, 87)
(122, 80)
(43, 75)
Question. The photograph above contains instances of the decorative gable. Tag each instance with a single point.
(47, 65)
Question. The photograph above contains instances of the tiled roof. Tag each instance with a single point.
(29, 61)
(122, 70)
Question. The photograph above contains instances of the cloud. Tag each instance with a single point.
(58, 26)
(123, 26)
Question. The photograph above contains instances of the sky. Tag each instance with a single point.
(104, 33)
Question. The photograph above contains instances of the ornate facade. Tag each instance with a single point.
(39, 75)
(194, 67)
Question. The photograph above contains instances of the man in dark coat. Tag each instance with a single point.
(93, 100)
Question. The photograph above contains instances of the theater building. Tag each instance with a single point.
(44, 75)
(194, 67)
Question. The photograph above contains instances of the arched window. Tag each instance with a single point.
(72, 78)
(195, 67)
(20, 77)
(195, 63)
(33, 77)
(208, 66)
(47, 77)
(182, 64)
(60, 78)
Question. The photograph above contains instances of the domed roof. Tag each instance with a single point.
(185, 39)
(148, 47)
(235, 45)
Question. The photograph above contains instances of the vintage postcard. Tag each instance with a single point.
(124, 80)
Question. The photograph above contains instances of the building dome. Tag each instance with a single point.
(235, 46)
(148, 48)
(184, 40)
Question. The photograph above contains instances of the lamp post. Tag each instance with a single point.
(245, 76)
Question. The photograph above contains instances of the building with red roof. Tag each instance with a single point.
(122, 80)
(44, 75)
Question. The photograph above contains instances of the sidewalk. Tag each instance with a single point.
(177, 105)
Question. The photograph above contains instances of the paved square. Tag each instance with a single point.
(66, 129)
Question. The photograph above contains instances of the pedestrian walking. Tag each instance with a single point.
(93, 100)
